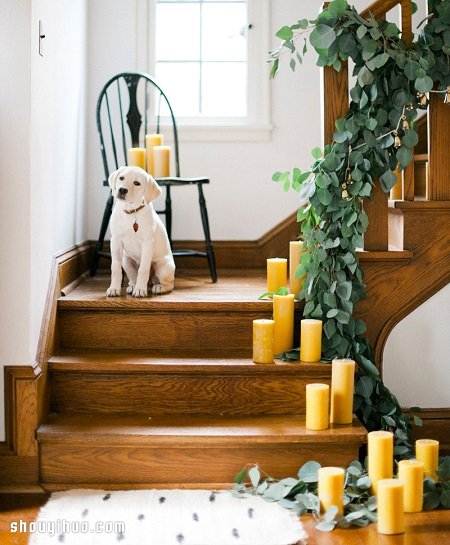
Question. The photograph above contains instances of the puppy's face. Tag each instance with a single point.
(133, 185)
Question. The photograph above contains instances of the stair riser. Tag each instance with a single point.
(76, 464)
(150, 330)
(149, 394)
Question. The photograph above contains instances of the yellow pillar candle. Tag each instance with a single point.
(342, 385)
(380, 452)
(397, 190)
(161, 161)
(283, 315)
(331, 488)
(263, 341)
(136, 157)
(410, 472)
(391, 519)
(295, 254)
(427, 451)
(317, 403)
(276, 273)
(310, 340)
(152, 140)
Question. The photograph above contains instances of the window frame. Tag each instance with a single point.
(256, 126)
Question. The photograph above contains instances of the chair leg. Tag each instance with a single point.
(208, 244)
(101, 238)
(168, 214)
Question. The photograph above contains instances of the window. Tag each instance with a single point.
(210, 56)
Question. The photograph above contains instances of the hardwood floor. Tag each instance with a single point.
(421, 528)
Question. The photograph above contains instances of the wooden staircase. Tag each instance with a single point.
(163, 391)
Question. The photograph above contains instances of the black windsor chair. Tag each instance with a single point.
(124, 100)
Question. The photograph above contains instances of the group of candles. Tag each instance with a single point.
(154, 158)
(273, 337)
(394, 496)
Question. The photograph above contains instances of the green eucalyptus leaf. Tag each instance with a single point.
(309, 472)
(423, 84)
(322, 37)
(285, 33)
(254, 475)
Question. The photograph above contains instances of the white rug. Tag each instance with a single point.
(163, 517)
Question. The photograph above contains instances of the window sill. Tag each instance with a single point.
(222, 133)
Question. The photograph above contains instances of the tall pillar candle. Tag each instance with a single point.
(390, 507)
(380, 452)
(295, 254)
(310, 340)
(397, 190)
(161, 161)
(331, 488)
(342, 386)
(152, 140)
(427, 451)
(317, 405)
(410, 472)
(263, 341)
(283, 315)
(276, 273)
(136, 157)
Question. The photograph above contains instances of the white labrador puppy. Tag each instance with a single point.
(139, 241)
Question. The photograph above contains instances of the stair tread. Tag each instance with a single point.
(183, 430)
(147, 361)
(191, 291)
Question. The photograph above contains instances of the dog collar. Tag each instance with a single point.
(135, 211)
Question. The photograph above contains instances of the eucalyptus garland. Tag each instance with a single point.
(373, 140)
(300, 493)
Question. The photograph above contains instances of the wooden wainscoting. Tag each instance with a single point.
(26, 387)
(19, 453)
(436, 425)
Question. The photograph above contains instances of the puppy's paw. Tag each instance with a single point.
(130, 289)
(159, 289)
(112, 292)
(140, 292)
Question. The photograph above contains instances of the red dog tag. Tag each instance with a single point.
(135, 226)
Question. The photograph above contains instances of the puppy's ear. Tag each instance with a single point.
(113, 178)
(152, 190)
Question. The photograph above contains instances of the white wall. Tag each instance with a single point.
(42, 161)
(416, 359)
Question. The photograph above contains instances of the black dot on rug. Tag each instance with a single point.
(212, 497)
(235, 533)
(141, 517)
(106, 498)
(120, 536)
(61, 538)
(162, 499)
(250, 513)
(180, 538)
(195, 517)
(84, 513)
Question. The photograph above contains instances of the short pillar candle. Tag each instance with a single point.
(342, 386)
(410, 472)
(161, 161)
(317, 404)
(310, 340)
(331, 488)
(427, 451)
(136, 157)
(283, 315)
(390, 506)
(152, 140)
(380, 452)
(295, 254)
(263, 341)
(276, 274)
